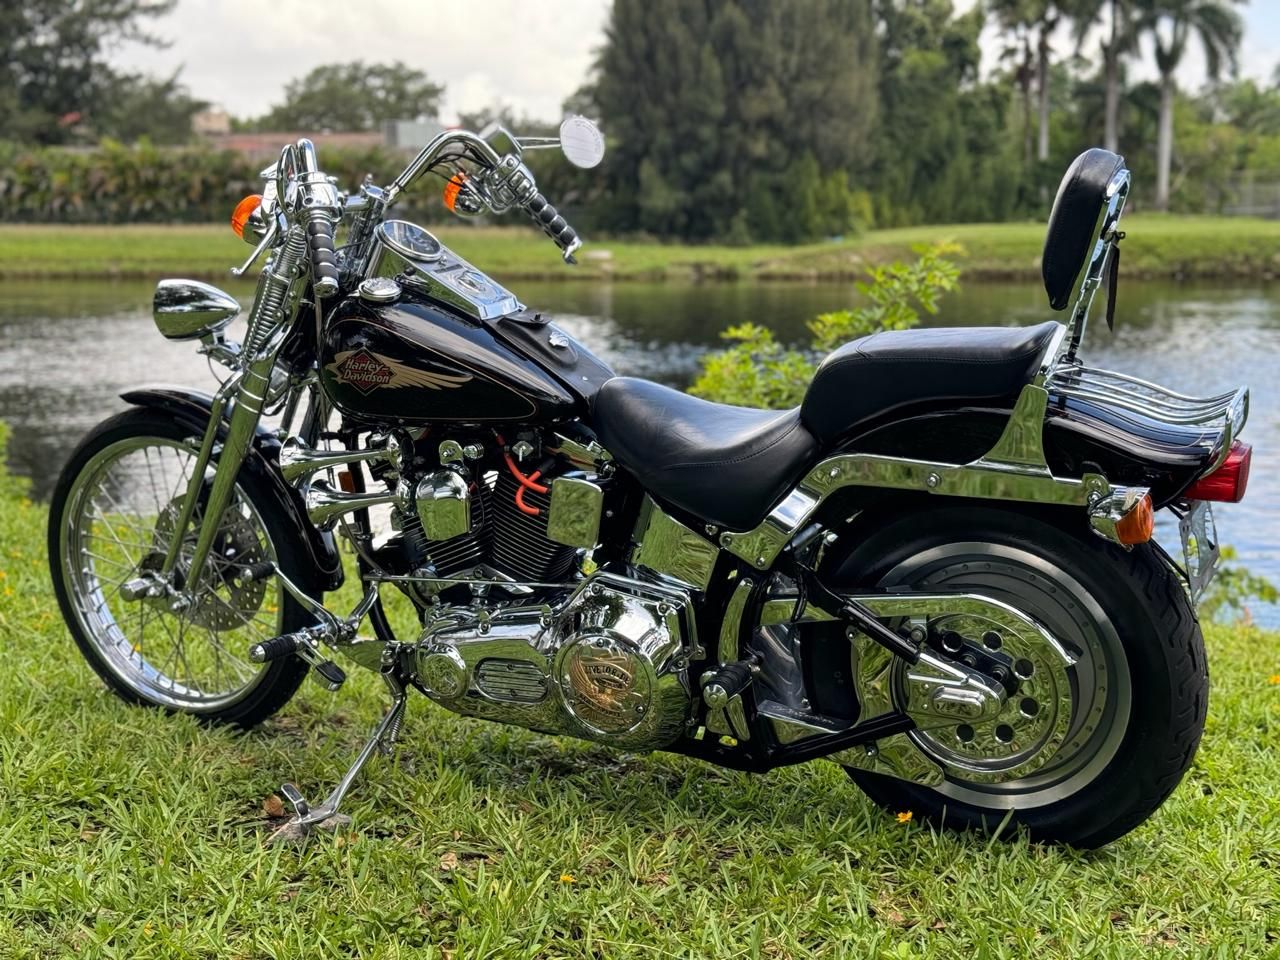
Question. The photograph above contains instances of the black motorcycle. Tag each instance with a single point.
(937, 572)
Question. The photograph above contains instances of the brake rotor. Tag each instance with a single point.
(225, 598)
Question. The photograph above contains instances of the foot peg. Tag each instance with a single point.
(722, 693)
(302, 644)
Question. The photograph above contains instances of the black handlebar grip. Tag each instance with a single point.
(276, 647)
(324, 261)
(553, 225)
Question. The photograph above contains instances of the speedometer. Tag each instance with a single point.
(410, 240)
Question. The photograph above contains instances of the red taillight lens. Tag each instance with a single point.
(1227, 483)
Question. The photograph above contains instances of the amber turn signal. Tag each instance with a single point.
(452, 189)
(1139, 524)
(243, 211)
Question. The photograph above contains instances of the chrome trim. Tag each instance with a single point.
(987, 479)
(666, 546)
(298, 460)
(1223, 416)
(574, 516)
(325, 505)
(443, 502)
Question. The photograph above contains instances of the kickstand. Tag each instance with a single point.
(383, 737)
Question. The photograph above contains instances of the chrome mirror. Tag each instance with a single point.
(582, 142)
(189, 309)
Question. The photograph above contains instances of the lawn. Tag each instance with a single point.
(126, 833)
(1157, 246)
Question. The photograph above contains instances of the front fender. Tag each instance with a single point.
(193, 408)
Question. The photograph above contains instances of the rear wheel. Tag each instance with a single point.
(1090, 744)
(112, 521)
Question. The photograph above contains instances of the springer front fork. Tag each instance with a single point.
(245, 393)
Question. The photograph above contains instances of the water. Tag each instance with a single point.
(69, 348)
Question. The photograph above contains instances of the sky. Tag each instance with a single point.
(528, 54)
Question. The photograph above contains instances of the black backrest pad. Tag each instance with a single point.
(1081, 196)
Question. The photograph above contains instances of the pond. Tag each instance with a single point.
(70, 347)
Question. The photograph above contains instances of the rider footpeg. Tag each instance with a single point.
(722, 693)
(330, 674)
(276, 648)
(253, 572)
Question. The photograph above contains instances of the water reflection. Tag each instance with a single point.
(71, 347)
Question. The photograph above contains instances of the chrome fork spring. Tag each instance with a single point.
(273, 287)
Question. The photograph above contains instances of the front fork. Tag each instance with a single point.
(246, 393)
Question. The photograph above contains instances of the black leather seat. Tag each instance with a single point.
(727, 465)
(897, 368)
(730, 465)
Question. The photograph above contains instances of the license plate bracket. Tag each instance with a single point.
(1199, 547)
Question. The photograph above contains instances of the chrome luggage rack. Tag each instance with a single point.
(1222, 416)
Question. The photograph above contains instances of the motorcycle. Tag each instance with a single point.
(938, 571)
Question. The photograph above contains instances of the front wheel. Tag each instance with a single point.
(1084, 753)
(112, 520)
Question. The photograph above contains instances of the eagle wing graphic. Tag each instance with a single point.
(403, 375)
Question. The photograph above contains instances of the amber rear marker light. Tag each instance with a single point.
(1138, 525)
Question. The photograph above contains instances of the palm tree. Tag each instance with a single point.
(1118, 20)
(1171, 24)
(1047, 14)
(1016, 18)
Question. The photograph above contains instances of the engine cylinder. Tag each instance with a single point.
(520, 545)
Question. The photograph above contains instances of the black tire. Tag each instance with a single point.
(1159, 641)
(276, 682)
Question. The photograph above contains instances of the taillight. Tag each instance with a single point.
(1227, 483)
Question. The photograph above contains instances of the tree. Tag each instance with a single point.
(53, 76)
(1117, 20)
(1171, 23)
(1016, 19)
(354, 96)
(160, 110)
(1047, 15)
(740, 116)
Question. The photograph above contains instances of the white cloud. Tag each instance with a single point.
(240, 53)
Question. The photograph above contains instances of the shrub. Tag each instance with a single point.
(757, 371)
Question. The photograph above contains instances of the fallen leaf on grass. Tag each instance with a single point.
(273, 806)
(449, 861)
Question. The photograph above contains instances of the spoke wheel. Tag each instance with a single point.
(185, 648)
(1093, 737)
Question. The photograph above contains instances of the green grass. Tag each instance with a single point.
(1157, 246)
(127, 833)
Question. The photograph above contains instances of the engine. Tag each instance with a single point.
(467, 511)
(609, 663)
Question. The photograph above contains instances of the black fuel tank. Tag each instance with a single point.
(414, 361)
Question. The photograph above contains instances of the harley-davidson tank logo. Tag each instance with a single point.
(368, 371)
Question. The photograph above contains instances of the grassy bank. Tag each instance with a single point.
(125, 833)
(1157, 246)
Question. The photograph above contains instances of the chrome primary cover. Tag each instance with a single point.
(609, 664)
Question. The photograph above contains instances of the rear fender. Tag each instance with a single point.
(1078, 438)
(192, 408)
